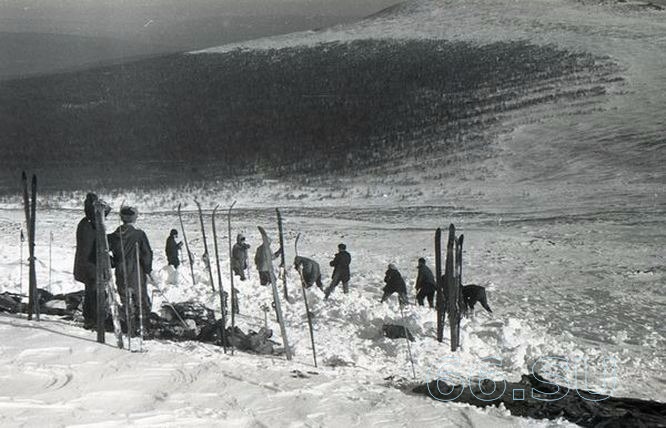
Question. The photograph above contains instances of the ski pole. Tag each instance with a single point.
(50, 264)
(409, 347)
(21, 264)
(139, 285)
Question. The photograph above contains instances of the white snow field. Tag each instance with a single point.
(564, 223)
(557, 288)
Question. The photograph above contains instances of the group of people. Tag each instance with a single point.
(132, 257)
(425, 284)
(310, 270)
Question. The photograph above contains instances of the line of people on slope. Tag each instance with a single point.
(310, 269)
(127, 238)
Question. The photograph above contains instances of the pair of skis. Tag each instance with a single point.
(223, 310)
(452, 303)
(106, 289)
(104, 281)
(210, 270)
(30, 205)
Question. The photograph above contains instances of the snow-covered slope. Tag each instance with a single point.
(570, 287)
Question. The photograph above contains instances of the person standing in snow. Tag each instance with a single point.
(425, 284)
(129, 236)
(85, 259)
(172, 248)
(341, 273)
(239, 256)
(264, 267)
(394, 284)
(311, 271)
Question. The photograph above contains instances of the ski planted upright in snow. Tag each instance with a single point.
(305, 298)
(440, 304)
(452, 291)
(459, 252)
(187, 247)
(104, 279)
(30, 212)
(206, 253)
(234, 303)
(223, 310)
(283, 266)
(276, 294)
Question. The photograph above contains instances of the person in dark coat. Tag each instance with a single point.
(85, 259)
(172, 248)
(341, 273)
(264, 266)
(239, 256)
(394, 284)
(311, 271)
(126, 237)
(425, 284)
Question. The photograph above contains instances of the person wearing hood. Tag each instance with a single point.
(425, 284)
(264, 266)
(394, 284)
(311, 271)
(125, 237)
(85, 259)
(172, 248)
(239, 256)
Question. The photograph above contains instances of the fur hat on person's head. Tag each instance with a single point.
(173, 232)
(128, 214)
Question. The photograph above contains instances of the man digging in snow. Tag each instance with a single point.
(394, 284)
(311, 271)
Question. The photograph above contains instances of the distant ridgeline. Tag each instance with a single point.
(333, 107)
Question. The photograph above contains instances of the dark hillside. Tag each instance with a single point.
(331, 107)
